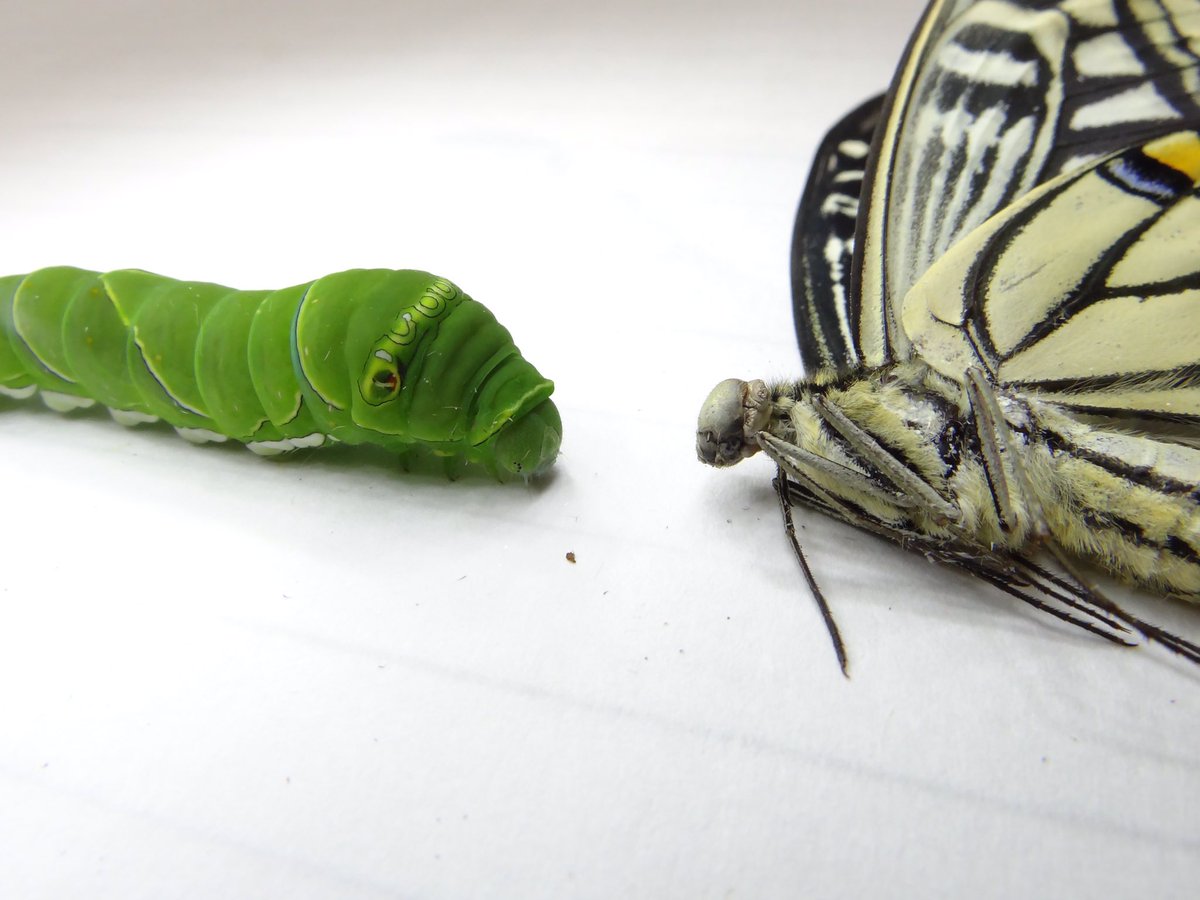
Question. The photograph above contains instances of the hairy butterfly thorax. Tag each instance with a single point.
(397, 358)
(897, 445)
(904, 448)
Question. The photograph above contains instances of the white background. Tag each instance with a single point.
(227, 677)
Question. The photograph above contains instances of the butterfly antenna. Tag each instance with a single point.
(1153, 633)
(1013, 588)
(785, 505)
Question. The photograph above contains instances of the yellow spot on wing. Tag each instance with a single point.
(1179, 151)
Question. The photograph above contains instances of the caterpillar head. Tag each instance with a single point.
(528, 445)
(734, 413)
(432, 368)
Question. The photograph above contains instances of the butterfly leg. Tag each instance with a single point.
(1015, 502)
(1017, 507)
(1017, 576)
(796, 460)
(912, 485)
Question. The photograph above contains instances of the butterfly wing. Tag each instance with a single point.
(1085, 292)
(823, 243)
(992, 99)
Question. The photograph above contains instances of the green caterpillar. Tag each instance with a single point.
(401, 359)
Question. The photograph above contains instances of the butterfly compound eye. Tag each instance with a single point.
(720, 430)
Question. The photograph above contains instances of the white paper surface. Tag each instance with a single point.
(226, 677)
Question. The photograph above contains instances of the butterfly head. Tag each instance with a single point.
(730, 419)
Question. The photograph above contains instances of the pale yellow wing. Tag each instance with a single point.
(993, 98)
(1085, 292)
